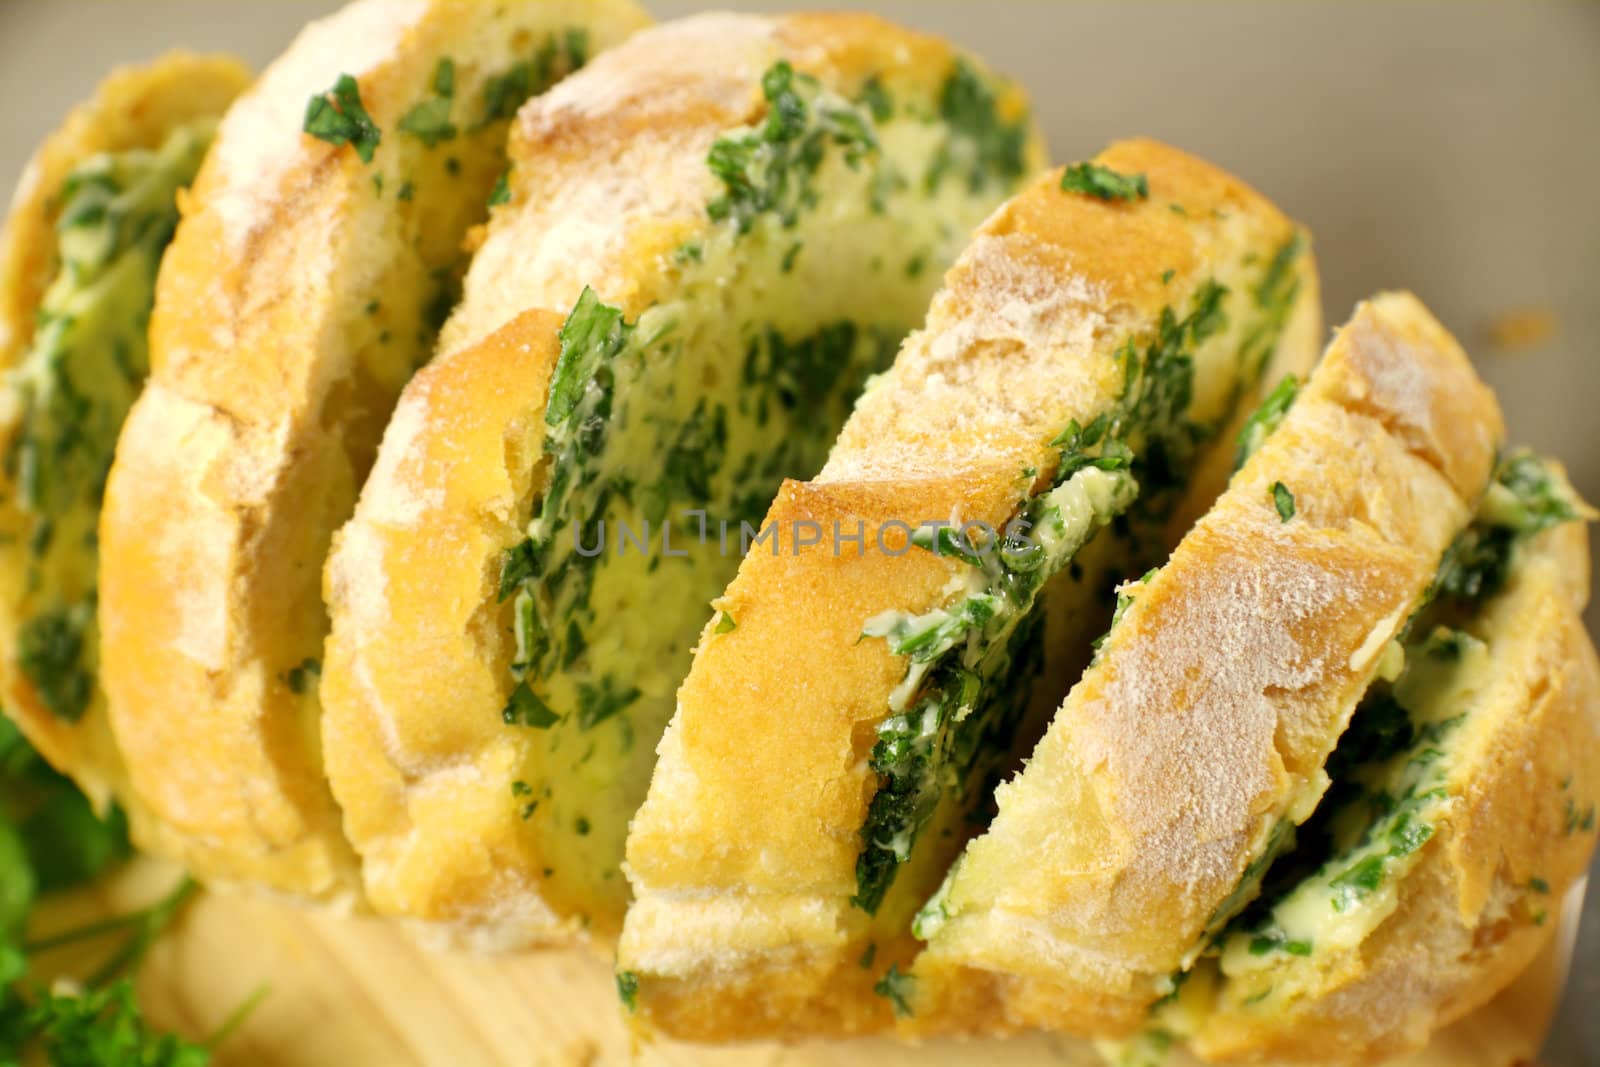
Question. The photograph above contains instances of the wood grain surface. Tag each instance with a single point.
(342, 992)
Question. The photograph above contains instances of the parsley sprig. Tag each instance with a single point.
(338, 117)
(768, 170)
(50, 839)
(1103, 183)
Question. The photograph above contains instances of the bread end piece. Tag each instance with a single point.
(134, 107)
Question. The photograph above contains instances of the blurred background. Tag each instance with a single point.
(1446, 147)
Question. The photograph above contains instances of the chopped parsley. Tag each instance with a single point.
(51, 840)
(726, 623)
(501, 193)
(1283, 500)
(1524, 498)
(877, 100)
(429, 121)
(300, 679)
(1275, 942)
(526, 709)
(897, 989)
(504, 93)
(597, 703)
(1267, 418)
(592, 334)
(768, 170)
(52, 655)
(1103, 183)
(337, 117)
(522, 791)
(982, 147)
(628, 990)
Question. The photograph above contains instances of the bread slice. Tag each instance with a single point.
(1462, 812)
(743, 215)
(88, 222)
(814, 782)
(314, 262)
(1176, 765)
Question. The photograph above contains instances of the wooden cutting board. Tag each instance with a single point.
(355, 992)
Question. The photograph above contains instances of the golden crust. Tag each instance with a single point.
(134, 107)
(1233, 672)
(273, 369)
(1473, 912)
(609, 176)
(454, 477)
(653, 111)
(743, 857)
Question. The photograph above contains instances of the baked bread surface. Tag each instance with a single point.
(465, 822)
(743, 858)
(135, 108)
(297, 298)
(1513, 835)
(1211, 708)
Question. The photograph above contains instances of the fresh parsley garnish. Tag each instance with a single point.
(444, 78)
(429, 121)
(301, 677)
(338, 118)
(1266, 418)
(50, 839)
(501, 193)
(1283, 500)
(1524, 499)
(592, 333)
(1103, 183)
(982, 146)
(51, 655)
(726, 623)
(526, 709)
(897, 989)
(628, 990)
(768, 170)
(505, 92)
(877, 100)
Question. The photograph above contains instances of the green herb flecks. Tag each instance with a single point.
(1103, 183)
(879, 103)
(1276, 295)
(592, 334)
(1389, 771)
(51, 840)
(897, 988)
(769, 170)
(554, 59)
(982, 146)
(338, 117)
(1526, 497)
(526, 709)
(302, 678)
(1266, 418)
(52, 655)
(1283, 501)
(501, 193)
(628, 990)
